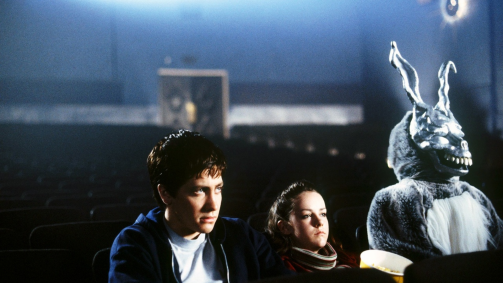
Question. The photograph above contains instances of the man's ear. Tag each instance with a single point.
(167, 199)
(285, 228)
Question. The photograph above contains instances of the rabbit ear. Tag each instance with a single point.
(408, 73)
(443, 99)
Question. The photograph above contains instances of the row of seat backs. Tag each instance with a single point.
(83, 200)
(74, 245)
(88, 236)
(23, 221)
(484, 266)
(101, 206)
(62, 265)
(472, 267)
(46, 265)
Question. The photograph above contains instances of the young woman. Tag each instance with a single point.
(298, 228)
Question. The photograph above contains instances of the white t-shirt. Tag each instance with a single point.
(195, 260)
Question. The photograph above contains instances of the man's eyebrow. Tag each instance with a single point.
(206, 186)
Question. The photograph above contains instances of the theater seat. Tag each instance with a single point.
(145, 197)
(25, 220)
(12, 240)
(264, 204)
(84, 203)
(47, 265)
(482, 266)
(345, 275)
(236, 207)
(85, 238)
(127, 212)
(19, 203)
(101, 265)
(362, 238)
(258, 221)
(346, 221)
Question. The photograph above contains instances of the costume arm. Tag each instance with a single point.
(397, 223)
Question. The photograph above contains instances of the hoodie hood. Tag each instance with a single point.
(156, 216)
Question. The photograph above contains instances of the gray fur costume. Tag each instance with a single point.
(430, 212)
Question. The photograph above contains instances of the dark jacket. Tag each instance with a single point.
(142, 253)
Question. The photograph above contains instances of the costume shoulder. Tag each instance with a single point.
(397, 222)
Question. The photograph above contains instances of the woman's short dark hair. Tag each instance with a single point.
(281, 210)
(180, 156)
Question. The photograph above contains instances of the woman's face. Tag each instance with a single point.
(308, 221)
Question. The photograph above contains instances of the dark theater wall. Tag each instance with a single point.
(101, 51)
(277, 42)
(55, 52)
(426, 40)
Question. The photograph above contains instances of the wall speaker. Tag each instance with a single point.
(196, 100)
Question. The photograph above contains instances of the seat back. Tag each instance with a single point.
(338, 201)
(346, 221)
(144, 197)
(52, 265)
(258, 221)
(19, 203)
(26, 219)
(346, 275)
(101, 265)
(264, 204)
(237, 207)
(44, 195)
(362, 238)
(127, 212)
(484, 266)
(85, 238)
(84, 203)
(12, 240)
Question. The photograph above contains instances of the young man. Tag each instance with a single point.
(184, 240)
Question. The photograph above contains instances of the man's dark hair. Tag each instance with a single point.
(181, 156)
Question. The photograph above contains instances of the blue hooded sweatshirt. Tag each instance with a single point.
(142, 253)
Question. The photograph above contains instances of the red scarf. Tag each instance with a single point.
(301, 260)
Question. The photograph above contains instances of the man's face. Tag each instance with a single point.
(196, 206)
